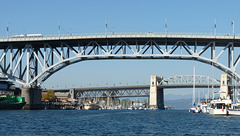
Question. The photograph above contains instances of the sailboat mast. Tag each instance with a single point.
(193, 101)
(208, 91)
(199, 97)
(212, 81)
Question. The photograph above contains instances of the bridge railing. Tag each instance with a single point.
(119, 33)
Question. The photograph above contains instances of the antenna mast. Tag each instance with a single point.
(193, 101)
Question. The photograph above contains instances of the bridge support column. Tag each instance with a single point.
(32, 97)
(72, 94)
(224, 88)
(108, 101)
(156, 97)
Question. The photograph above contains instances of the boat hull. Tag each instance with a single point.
(92, 107)
(234, 112)
(11, 106)
(218, 112)
(194, 110)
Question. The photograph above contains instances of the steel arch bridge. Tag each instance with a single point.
(189, 80)
(31, 59)
(181, 81)
(120, 92)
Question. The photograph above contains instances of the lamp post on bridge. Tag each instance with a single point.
(166, 30)
(232, 24)
(215, 27)
(106, 26)
(8, 29)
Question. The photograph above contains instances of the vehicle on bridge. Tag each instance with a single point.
(27, 36)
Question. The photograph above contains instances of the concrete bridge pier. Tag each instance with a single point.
(108, 101)
(156, 97)
(32, 97)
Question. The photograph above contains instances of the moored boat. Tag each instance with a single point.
(224, 105)
(220, 107)
(11, 102)
(234, 110)
(195, 110)
(92, 106)
(203, 107)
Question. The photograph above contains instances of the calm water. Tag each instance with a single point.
(115, 122)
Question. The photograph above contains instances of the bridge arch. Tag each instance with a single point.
(46, 55)
(58, 66)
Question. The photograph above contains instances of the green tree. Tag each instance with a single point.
(49, 96)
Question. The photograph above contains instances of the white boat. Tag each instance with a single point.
(92, 106)
(130, 108)
(205, 105)
(220, 107)
(195, 110)
(234, 110)
(153, 108)
(204, 108)
(224, 107)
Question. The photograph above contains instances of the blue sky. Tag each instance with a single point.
(81, 16)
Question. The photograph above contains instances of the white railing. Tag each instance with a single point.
(118, 33)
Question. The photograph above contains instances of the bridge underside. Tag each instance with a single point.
(128, 91)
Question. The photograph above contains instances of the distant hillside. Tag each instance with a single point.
(177, 97)
(179, 104)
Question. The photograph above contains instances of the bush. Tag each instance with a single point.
(49, 96)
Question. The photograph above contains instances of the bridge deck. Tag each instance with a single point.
(221, 40)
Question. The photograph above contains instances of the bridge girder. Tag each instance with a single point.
(189, 80)
(116, 93)
(31, 62)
